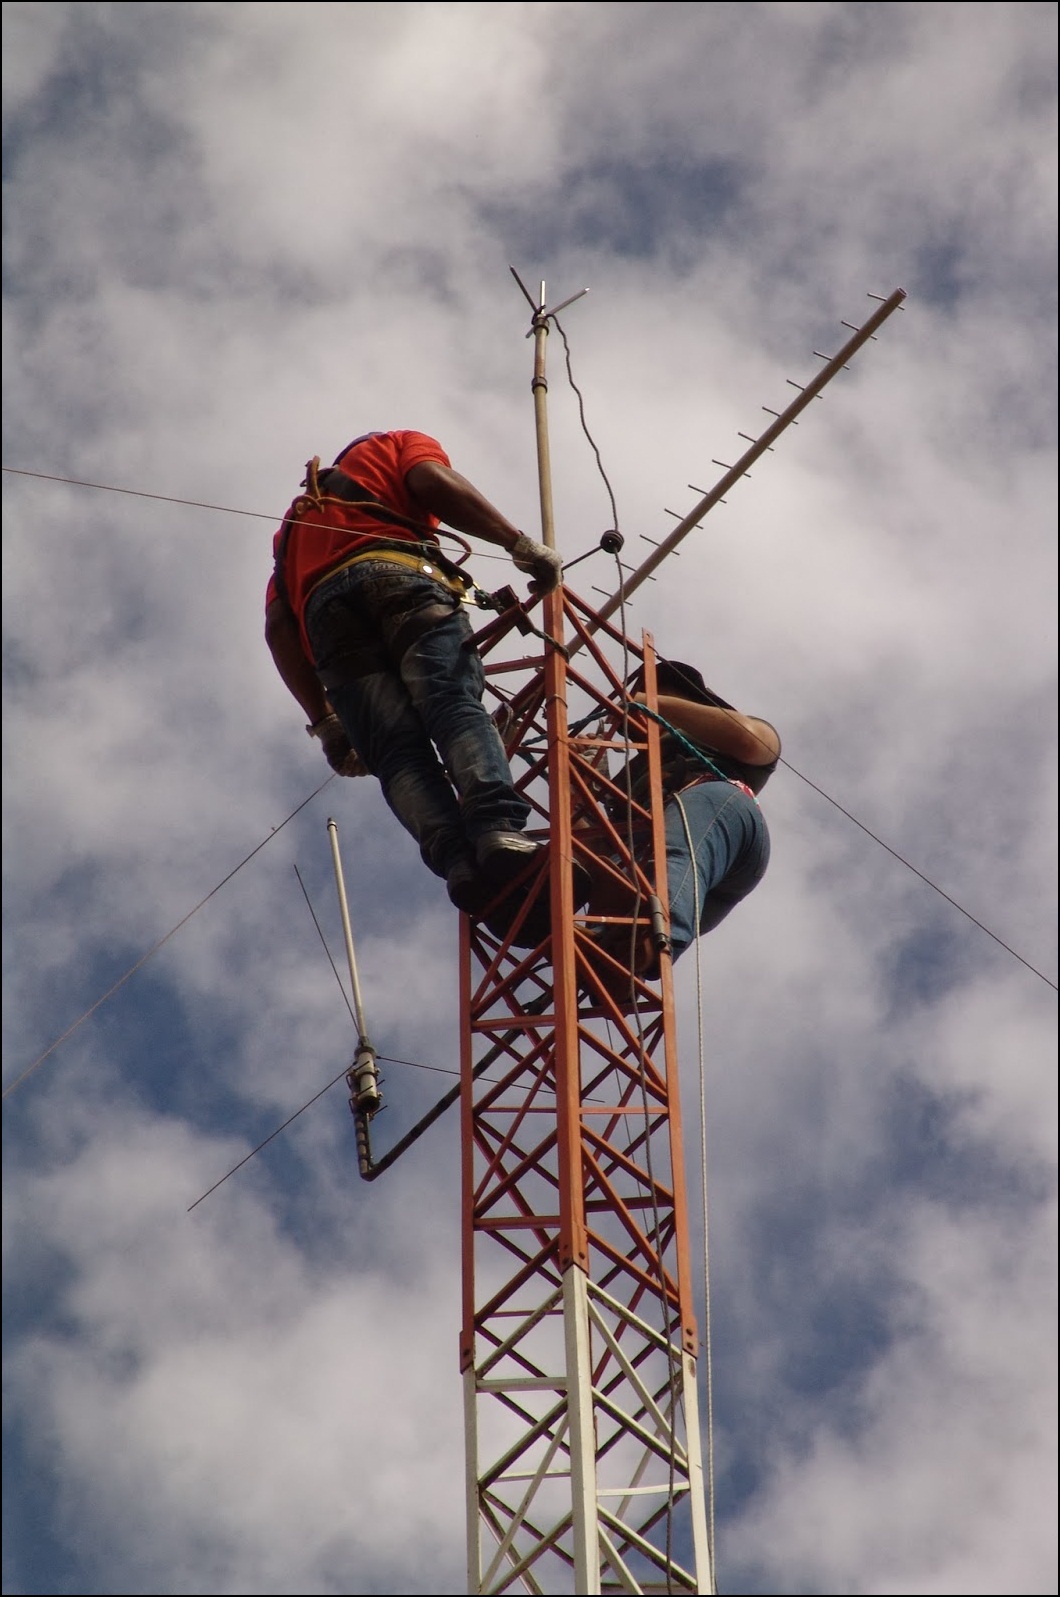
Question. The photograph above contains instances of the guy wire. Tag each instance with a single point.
(263, 516)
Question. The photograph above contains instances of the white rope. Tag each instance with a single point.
(709, 1376)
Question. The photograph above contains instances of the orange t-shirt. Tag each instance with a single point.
(379, 462)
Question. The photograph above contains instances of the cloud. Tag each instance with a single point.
(234, 238)
(220, 1428)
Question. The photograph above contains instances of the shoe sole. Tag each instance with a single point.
(470, 897)
(537, 923)
(503, 866)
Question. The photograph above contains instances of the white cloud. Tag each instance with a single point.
(239, 1404)
(236, 237)
(953, 1426)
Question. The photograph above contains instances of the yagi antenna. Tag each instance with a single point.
(784, 418)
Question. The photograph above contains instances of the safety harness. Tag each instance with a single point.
(332, 487)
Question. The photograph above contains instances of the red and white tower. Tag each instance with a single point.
(579, 1345)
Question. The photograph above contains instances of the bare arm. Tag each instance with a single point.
(285, 644)
(449, 496)
(745, 737)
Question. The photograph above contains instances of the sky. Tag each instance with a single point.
(236, 236)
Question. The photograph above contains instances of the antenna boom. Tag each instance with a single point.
(759, 447)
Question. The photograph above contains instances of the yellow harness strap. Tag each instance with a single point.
(397, 557)
(315, 499)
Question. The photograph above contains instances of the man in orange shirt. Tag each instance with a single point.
(366, 627)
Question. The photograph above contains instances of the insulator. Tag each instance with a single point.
(660, 937)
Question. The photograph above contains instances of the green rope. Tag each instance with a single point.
(686, 743)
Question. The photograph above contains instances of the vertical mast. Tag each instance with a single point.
(539, 387)
(573, 1245)
(540, 392)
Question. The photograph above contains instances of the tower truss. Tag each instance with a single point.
(579, 1343)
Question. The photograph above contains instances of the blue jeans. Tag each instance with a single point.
(731, 846)
(414, 710)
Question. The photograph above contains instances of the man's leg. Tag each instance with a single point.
(348, 620)
(387, 732)
(423, 642)
(445, 679)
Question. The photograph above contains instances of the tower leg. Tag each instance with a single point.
(582, 1440)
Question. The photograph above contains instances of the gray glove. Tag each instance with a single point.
(338, 750)
(539, 562)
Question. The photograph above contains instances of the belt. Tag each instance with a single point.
(710, 777)
(397, 557)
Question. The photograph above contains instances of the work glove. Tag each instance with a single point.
(338, 750)
(539, 562)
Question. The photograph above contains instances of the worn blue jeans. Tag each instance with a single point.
(730, 842)
(414, 711)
